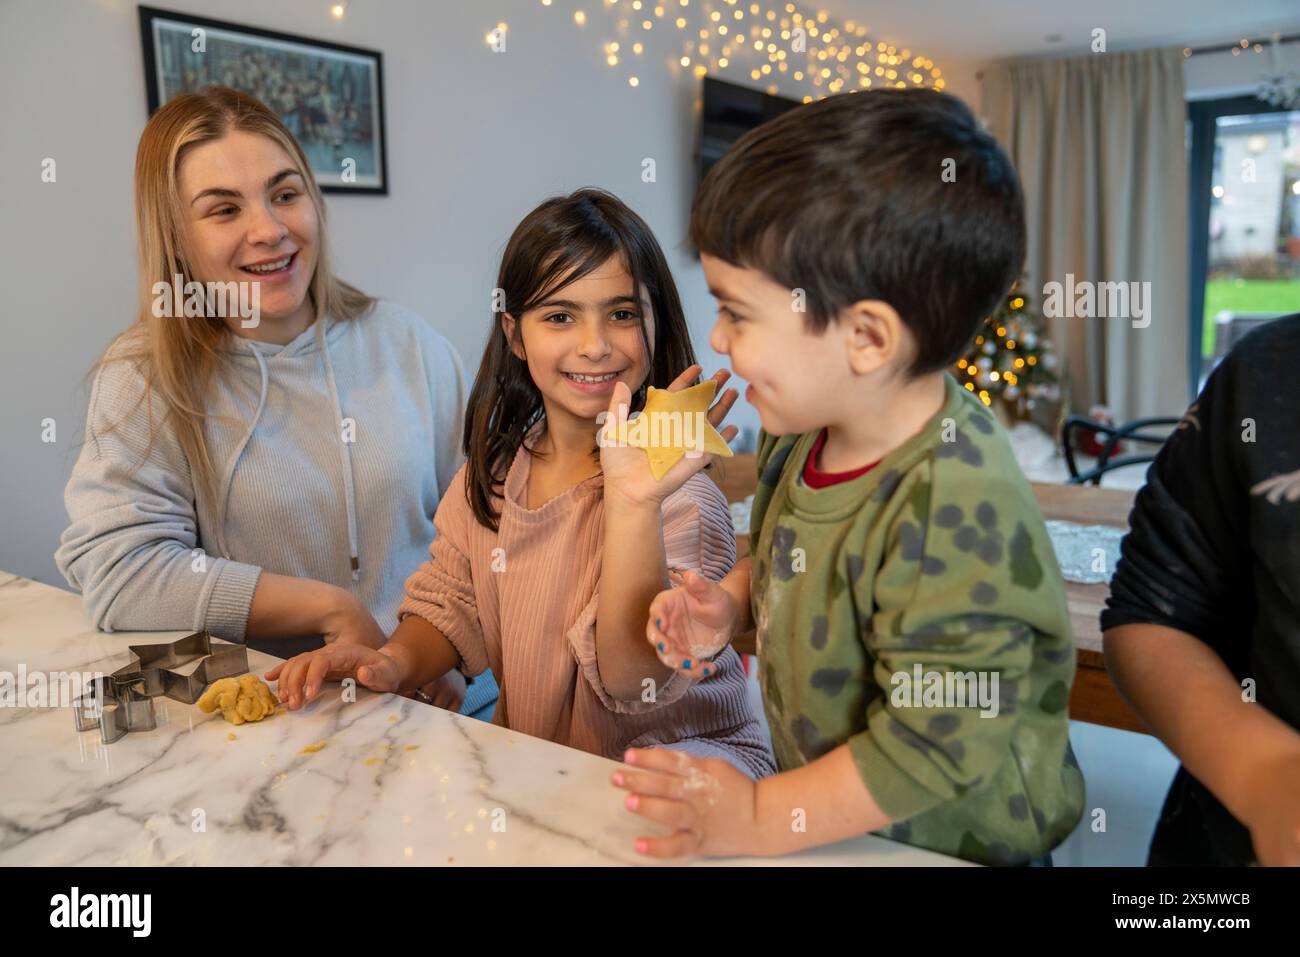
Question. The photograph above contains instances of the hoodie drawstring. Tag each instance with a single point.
(223, 491)
(345, 454)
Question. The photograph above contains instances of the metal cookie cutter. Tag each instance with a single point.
(123, 701)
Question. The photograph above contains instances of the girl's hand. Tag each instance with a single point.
(692, 623)
(626, 469)
(347, 622)
(301, 677)
(708, 805)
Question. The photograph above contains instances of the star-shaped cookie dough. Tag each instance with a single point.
(674, 423)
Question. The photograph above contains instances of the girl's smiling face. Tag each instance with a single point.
(585, 337)
(250, 219)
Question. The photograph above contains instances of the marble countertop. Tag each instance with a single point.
(397, 782)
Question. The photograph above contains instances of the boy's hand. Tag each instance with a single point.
(692, 623)
(1275, 821)
(707, 803)
(301, 677)
(626, 469)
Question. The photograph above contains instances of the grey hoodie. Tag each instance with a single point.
(293, 496)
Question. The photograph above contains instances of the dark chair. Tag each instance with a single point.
(1114, 435)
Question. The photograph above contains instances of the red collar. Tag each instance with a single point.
(817, 479)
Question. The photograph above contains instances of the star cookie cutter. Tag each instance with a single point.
(123, 701)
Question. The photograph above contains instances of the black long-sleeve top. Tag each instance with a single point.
(1214, 551)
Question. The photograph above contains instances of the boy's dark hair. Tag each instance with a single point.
(559, 242)
(845, 198)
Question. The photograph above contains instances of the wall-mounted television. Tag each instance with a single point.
(728, 112)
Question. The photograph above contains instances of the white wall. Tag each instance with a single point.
(475, 140)
(1213, 75)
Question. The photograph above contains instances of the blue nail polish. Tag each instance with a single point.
(661, 646)
(706, 669)
(657, 625)
(686, 663)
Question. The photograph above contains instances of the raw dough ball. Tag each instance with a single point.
(246, 698)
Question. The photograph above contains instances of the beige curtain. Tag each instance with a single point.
(1100, 144)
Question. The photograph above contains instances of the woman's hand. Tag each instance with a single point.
(347, 622)
(707, 804)
(626, 468)
(300, 678)
(690, 624)
(288, 607)
(446, 692)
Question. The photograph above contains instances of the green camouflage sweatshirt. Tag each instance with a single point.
(917, 614)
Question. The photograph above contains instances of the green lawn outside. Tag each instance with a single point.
(1246, 295)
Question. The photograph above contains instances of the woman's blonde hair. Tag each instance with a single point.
(178, 357)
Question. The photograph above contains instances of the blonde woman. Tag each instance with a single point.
(270, 468)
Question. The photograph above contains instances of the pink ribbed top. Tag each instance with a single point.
(522, 601)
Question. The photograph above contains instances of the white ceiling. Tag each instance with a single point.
(981, 30)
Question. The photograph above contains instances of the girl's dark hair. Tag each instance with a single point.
(559, 242)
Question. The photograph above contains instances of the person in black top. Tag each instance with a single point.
(1202, 628)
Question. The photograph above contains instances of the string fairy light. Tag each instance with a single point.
(774, 43)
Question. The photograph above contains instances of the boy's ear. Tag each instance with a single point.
(875, 334)
(508, 326)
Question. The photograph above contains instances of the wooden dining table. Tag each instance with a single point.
(1094, 697)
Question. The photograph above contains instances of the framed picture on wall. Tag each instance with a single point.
(331, 96)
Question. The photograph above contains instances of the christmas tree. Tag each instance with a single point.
(1011, 360)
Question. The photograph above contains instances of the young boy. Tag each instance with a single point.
(911, 628)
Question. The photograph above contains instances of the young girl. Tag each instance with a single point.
(261, 476)
(549, 548)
